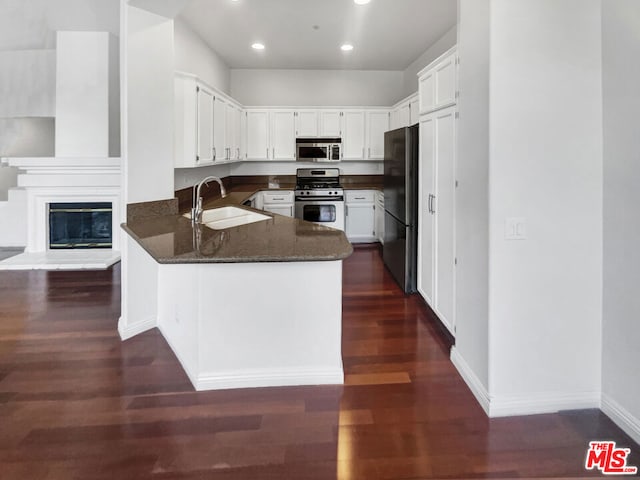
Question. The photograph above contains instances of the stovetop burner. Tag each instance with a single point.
(318, 179)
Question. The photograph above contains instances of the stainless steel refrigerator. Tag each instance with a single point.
(401, 205)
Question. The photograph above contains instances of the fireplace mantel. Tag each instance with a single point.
(58, 180)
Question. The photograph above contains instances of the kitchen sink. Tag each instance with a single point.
(227, 217)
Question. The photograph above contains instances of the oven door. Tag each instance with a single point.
(329, 212)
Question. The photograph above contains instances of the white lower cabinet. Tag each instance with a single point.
(360, 216)
(278, 201)
(379, 217)
(436, 222)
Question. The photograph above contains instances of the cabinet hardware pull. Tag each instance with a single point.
(273, 151)
(369, 152)
(214, 153)
(267, 154)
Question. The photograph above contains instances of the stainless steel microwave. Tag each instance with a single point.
(319, 149)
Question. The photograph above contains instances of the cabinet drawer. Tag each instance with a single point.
(360, 196)
(285, 196)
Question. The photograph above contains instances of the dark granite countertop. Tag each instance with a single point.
(171, 238)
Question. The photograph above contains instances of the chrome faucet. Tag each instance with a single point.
(196, 205)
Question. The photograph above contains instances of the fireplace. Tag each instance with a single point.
(80, 225)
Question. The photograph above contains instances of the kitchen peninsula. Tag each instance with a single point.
(248, 306)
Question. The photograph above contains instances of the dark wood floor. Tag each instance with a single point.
(76, 403)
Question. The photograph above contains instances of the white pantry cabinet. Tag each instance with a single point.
(438, 83)
(271, 135)
(360, 216)
(436, 221)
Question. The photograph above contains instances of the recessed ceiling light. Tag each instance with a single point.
(361, 2)
(257, 46)
(347, 47)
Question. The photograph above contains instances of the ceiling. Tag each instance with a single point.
(307, 34)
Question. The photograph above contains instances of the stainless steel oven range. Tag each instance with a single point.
(319, 197)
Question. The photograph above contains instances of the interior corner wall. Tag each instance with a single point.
(472, 195)
(297, 88)
(545, 300)
(193, 55)
(410, 75)
(149, 97)
(621, 309)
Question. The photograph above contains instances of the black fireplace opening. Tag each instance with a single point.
(80, 225)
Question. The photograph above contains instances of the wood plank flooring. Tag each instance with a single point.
(77, 403)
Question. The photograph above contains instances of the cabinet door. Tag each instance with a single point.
(283, 135)
(220, 129)
(257, 134)
(445, 82)
(330, 123)
(354, 135)
(444, 206)
(307, 123)
(234, 131)
(426, 94)
(404, 116)
(426, 221)
(280, 209)
(377, 124)
(414, 111)
(359, 222)
(204, 128)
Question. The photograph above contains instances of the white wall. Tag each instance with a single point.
(472, 195)
(149, 98)
(621, 328)
(410, 75)
(193, 55)
(315, 87)
(27, 83)
(546, 166)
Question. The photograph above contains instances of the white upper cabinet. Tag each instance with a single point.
(404, 115)
(233, 132)
(414, 111)
(438, 83)
(353, 140)
(283, 135)
(271, 135)
(204, 122)
(220, 150)
(307, 123)
(330, 123)
(257, 134)
(377, 125)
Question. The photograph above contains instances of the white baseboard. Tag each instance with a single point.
(621, 417)
(537, 403)
(128, 331)
(515, 405)
(185, 366)
(473, 382)
(281, 378)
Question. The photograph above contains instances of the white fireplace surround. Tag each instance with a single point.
(67, 180)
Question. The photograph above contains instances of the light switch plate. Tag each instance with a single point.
(515, 228)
